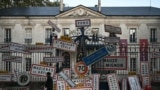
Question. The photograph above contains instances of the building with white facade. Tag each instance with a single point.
(139, 41)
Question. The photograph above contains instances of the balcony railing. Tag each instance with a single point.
(152, 40)
(28, 41)
(7, 40)
(133, 40)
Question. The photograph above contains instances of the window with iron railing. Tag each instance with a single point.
(132, 64)
(7, 35)
(133, 36)
(153, 35)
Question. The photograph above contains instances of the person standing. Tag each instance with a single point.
(49, 82)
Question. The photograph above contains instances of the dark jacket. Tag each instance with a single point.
(49, 83)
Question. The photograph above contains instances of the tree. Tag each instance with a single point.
(27, 3)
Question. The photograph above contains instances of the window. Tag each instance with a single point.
(28, 64)
(132, 64)
(153, 64)
(48, 33)
(66, 63)
(153, 35)
(7, 35)
(132, 37)
(66, 31)
(8, 66)
(28, 39)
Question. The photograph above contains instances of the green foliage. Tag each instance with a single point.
(27, 3)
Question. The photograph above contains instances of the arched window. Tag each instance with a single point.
(66, 63)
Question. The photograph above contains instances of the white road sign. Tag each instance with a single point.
(83, 23)
(5, 77)
(54, 26)
(112, 82)
(113, 63)
(112, 29)
(64, 45)
(41, 70)
(12, 47)
(39, 48)
(112, 39)
(12, 58)
(52, 59)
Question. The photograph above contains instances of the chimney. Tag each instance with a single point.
(99, 5)
(61, 5)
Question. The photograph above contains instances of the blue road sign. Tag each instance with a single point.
(99, 54)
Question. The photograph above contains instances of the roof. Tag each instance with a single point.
(108, 11)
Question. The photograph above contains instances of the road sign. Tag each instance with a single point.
(53, 59)
(112, 63)
(54, 26)
(68, 46)
(99, 54)
(83, 23)
(112, 39)
(112, 29)
(81, 68)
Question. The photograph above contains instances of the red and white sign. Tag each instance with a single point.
(53, 26)
(145, 81)
(52, 59)
(65, 45)
(61, 85)
(81, 68)
(96, 78)
(5, 77)
(144, 68)
(41, 70)
(113, 63)
(112, 82)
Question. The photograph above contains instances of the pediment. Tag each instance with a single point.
(80, 11)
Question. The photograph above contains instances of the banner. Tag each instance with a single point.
(123, 47)
(143, 49)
